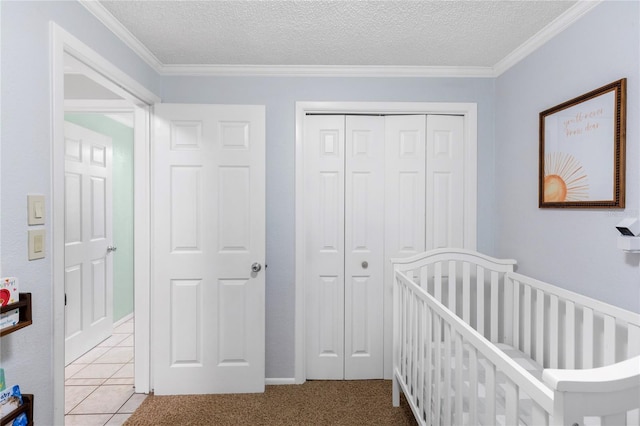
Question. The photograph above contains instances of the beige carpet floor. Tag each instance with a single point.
(361, 402)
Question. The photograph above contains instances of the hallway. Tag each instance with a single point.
(99, 384)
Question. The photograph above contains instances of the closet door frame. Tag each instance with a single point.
(467, 110)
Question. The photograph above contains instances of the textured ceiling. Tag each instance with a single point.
(350, 33)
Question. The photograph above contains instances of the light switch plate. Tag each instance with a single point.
(35, 208)
(36, 244)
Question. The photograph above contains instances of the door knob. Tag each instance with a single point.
(256, 267)
(365, 264)
(111, 248)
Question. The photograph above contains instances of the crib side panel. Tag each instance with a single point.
(562, 329)
(452, 375)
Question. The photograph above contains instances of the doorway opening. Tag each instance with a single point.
(86, 85)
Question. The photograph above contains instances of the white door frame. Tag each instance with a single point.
(468, 110)
(105, 73)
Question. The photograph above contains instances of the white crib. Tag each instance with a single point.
(476, 343)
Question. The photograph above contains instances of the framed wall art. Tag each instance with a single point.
(582, 150)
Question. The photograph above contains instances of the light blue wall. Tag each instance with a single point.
(25, 168)
(575, 249)
(280, 95)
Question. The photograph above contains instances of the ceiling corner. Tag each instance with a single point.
(554, 28)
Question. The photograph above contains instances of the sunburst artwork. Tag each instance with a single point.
(564, 178)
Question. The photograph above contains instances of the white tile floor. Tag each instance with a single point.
(99, 385)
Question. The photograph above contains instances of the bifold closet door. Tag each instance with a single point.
(344, 163)
(364, 247)
(424, 195)
(324, 240)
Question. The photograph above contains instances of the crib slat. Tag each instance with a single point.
(507, 333)
(587, 337)
(495, 306)
(438, 368)
(403, 328)
(512, 399)
(459, 380)
(633, 339)
(527, 320)
(516, 315)
(490, 397)
(437, 282)
(429, 376)
(421, 349)
(609, 340)
(570, 335)
(447, 375)
(414, 344)
(539, 327)
(452, 286)
(553, 331)
(466, 292)
(480, 300)
(538, 415)
(424, 278)
(473, 386)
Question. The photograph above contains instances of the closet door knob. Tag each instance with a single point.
(256, 267)
(111, 248)
(365, 264)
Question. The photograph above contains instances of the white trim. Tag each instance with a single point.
(113, 110)
(113, 24)
(138, 97)
(122, 320)
(562, 22)
(105, 73)
(325, 71)
(280, 381)
(97, 105)
(468, 110)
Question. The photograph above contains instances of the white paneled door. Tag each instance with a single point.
(345, 209)
(376, 188)
(88, 235)
(208, 321)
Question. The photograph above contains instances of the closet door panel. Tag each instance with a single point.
(445, 181)
(324, 246)
(364, 247)
(405, 205)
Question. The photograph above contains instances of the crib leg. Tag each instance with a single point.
(395, 392)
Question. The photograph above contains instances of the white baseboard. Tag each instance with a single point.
(123, 320)
(280, 381)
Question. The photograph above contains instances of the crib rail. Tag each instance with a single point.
(610, 394)
(450, 373)
(562, 329)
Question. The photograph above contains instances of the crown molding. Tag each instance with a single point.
(554, 28)
(324, 71)
(558, 25)
(116, 27)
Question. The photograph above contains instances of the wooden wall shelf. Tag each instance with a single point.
(26, 407)
(24, 304)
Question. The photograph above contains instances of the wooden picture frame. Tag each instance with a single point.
(582, 150)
